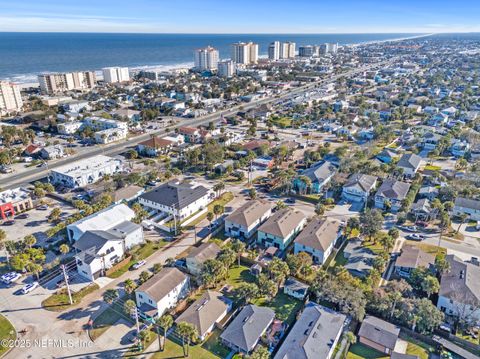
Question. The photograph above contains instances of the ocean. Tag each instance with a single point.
(24, 55)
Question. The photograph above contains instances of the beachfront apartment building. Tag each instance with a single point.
(52, 83)
(10, 98)
(287, 50)
(115, 74)
(226, 68)
(274, 50)
(85, 172)
(245, 53)
(206, 59)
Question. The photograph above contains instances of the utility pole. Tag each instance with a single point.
(136, 320)
(67, 285)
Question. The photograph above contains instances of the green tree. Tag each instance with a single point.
(371, 222)
(64, 248)
(260, 352)
(129, 285)
(144, 276)
(217, 210)
(110, 295)
(252, 193)
(247, 291)
(238, 247)
(188, 332)
(210, 217)
(165, 322)
(129, 307)
(30, 240)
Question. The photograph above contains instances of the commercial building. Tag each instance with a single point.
(226, 68)
(52, 83)
(287, 50)
(107, 130)
(85, 172)
(245, 53)
(274, 50)
(115, 74)
(206, 58)
(328, 48)
(10, 98)
(315, 334)
(13, 201)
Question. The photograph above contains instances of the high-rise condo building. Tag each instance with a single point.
(308, 51)
(287, 50)
(115, 74)
(206, 58)
(10, 98)
(274, 50)
(226, 68)
(52, 83)
(328, 48)
(245, 53)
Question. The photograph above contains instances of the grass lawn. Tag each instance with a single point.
(432, 168)
(222, 200)
(238, 275)
(416, 347)
(59, 301)
(174, 350)
(427, 248)
(339, 259)
(285, 307)
(282, 122)
(106, 319)
(7, 331)
(359, 351)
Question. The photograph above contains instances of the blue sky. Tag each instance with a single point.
(241, 16)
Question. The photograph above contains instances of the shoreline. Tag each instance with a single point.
(168, 67)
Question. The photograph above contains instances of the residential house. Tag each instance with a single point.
(161, 292)
(127, 194)
(52, 152)
(244, 332)
(430, 141)
(428, 192)
(412, 257)
(318, 238)
(179, 199)
(295, 288)
(393, 193)
(319, 174)
(459, 148)
(387, 156)
(423, 211)
(360, 259)
(244, 221)
(199, 255)
(459, 294)
(314, 335)
(206, 312)
(410, 164)
(281, 228)
(191, 134)
(358, 187)
(99, 250)
(378, 334)
(470, 207)
(155, 146)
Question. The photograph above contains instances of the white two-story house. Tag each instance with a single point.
(161, 292)
(358, 187)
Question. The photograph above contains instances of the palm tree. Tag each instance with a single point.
(188, 332)
(129, 307)
(165, 322)
(210, 216)
(64, 248)
(238, 247)
(218, 188)
(218, 209)
(110, 295)
(129, 286)
(29, 240)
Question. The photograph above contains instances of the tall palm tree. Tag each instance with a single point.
(188, 332)
(165, 322)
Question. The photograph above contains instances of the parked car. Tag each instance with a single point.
(415, 237)
(409, 228)
(10, 277)
(139, 264)
(290, 200)
(10, 222)
(29, 287)
(22, 216)
(43, 207)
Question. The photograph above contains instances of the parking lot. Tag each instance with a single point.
(36, 224)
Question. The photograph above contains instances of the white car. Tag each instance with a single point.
(29, 287)
(10, 277)
(139, 264)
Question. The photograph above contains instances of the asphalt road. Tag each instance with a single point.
(35, 174)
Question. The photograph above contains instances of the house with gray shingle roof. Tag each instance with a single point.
(410, 164)
(359, 258)
(244, 332)
(318, 238)
(392, 192)
(199, 255)
(412, 258)
(470, 207)
(459, 293)
(378, 334)
(319, 174)
(205, 312)
(281, 228)
(314, 335)
(244, 221)
(358, 187)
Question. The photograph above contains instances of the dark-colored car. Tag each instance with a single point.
(9, 223)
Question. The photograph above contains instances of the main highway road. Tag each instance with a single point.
(34, 174)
